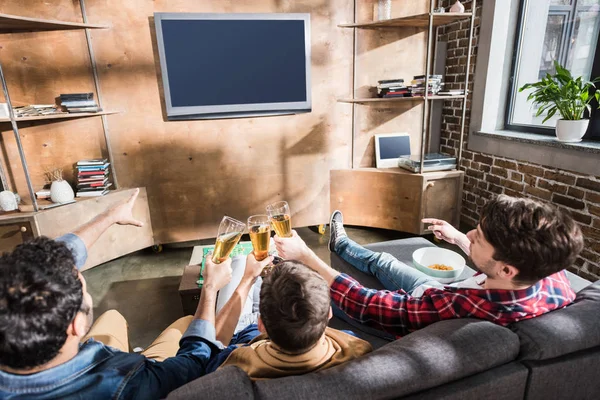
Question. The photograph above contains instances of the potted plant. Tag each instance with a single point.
(567, 95)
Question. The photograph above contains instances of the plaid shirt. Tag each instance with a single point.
(399, 313)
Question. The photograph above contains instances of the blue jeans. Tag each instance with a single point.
(391, 272)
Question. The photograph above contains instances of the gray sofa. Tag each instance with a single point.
(555, 356)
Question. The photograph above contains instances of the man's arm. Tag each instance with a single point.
(87, 234)
(230, 313)
(294, 248)
(444, 231)
(197, 345)
(398, 312)
(118, 214)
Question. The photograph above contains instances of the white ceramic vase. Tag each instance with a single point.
(571, 131)
(61, 192)
(457, 7)
(9, 201)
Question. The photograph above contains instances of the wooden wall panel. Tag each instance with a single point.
(194, 171)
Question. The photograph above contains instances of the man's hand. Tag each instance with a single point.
(442, 230)
(254, 268)
(216, 276)
(292, 248)
(122, 213)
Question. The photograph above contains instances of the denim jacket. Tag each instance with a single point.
(102, 372)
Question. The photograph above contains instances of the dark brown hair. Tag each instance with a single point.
(294, 306)
(536, 238)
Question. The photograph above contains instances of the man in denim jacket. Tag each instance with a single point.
(45, 319)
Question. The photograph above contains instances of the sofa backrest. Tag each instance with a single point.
(570, 329)
(441, 353)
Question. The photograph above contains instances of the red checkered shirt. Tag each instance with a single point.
(399, 313)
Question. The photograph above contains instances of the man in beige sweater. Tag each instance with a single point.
(291, 337)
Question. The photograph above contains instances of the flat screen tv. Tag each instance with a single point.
(234, 65)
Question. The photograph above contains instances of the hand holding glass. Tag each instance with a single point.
(279, 214)
(230, 232)
(260, 234)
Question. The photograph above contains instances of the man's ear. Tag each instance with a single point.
(261, 326)
(78, 327)
(330, 313)
(508, 272)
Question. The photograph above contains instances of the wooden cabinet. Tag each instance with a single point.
(396, 199)
(119, 240)
(14, 232)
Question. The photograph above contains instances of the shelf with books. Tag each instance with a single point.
(412, 21)
(396, 99)
(15, 23)
(59, 116)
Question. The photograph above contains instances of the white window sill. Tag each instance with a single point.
(582, 157)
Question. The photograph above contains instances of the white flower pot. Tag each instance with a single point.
(61, 192)
(571, 131)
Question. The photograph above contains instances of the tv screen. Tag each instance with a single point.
(234, 65)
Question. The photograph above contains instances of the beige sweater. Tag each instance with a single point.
(262, 360)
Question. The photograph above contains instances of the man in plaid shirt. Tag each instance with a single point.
(520, 248)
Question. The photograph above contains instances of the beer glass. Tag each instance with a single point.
(279, 214)
(230, 232)
(259, 229)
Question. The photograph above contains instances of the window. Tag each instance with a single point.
(562, 30)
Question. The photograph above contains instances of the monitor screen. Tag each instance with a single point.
(393, 147)
(233, 65)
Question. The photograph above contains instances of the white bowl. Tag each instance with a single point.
(426, 256)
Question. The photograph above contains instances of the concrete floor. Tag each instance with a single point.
(143, 286)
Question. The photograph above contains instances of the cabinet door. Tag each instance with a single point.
(14, 234)
(379, 198)
(442, 199)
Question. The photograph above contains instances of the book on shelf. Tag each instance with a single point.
(94, 193)
(76, 96)
(93, 161)
(79, 103)
(84, 110)
(92, 174)
(42, 194)
(387, 81)
(91, 168)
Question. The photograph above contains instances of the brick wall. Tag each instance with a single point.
(487, 175)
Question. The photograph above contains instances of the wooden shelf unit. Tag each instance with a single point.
(15, 23)
(58, 116)
(412, 21)
(398, 199)
(397, 99)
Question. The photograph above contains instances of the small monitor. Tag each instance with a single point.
(390, 146)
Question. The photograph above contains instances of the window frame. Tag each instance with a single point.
(593, 132)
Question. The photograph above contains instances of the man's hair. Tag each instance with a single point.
(40, 294)
(294, 306)
(536, 238)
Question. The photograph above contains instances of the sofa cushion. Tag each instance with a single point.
(226, 383)
(440, 353)
(570, 329)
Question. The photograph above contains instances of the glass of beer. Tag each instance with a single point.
(259, 228)
(279, 214)
(230, 232)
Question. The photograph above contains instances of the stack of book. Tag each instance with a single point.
(92, 177)
(433, 86)
(451, 92)
(392, 88)
(79, 103)
(35, 110)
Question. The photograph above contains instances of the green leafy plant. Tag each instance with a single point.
(561, 92)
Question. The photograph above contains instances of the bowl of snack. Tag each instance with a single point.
(443, 265)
